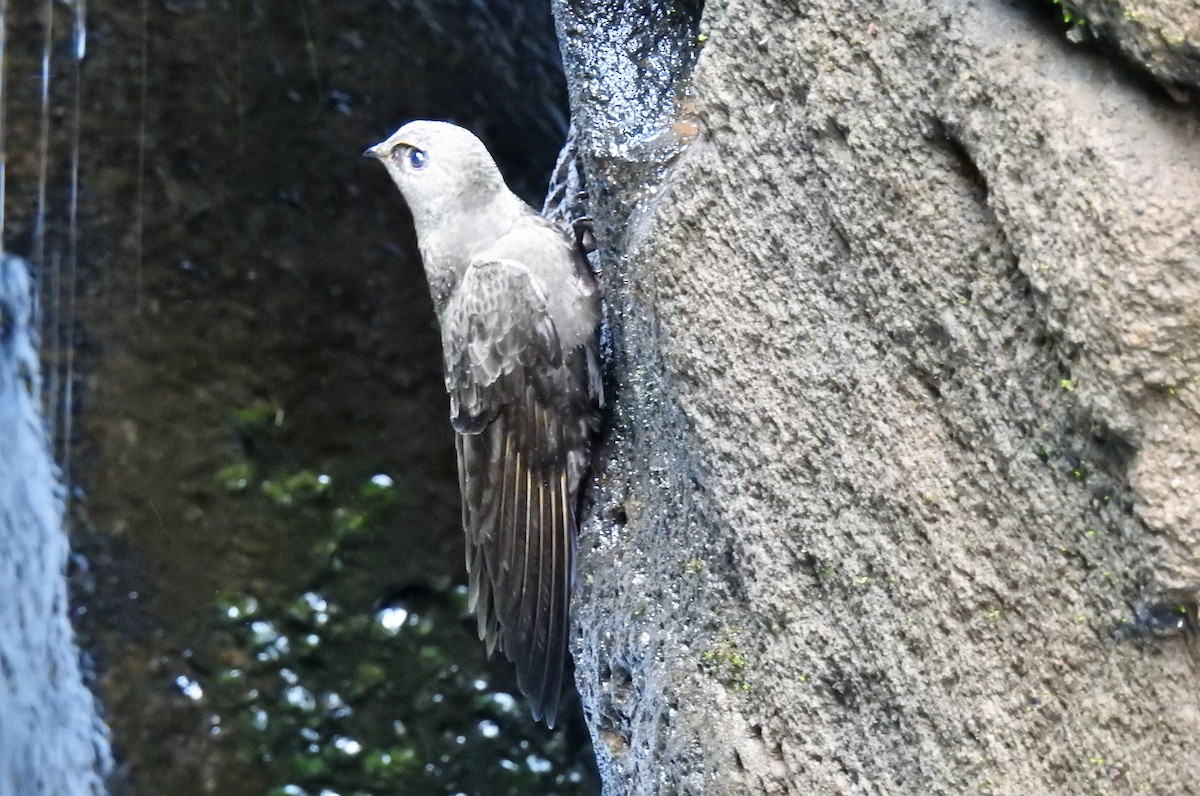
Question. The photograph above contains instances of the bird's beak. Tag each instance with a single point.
(373, 152)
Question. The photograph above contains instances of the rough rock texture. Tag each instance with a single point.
(906, 374)
(1162, 37)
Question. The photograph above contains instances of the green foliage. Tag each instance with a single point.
(236, 477)
(336, 688)
(298, 487)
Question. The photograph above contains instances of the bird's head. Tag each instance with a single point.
(443, 171)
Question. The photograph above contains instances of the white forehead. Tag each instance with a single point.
(430, 135)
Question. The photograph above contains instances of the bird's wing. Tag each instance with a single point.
(503, 367)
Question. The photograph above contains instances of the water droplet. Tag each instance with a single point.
(347, 746)
(392, 618)
(190, 688)
(300, 697)
(505, 702)
(263, 632)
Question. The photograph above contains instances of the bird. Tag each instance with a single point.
(519, 312)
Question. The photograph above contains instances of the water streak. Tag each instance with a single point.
(39, 228)
(80, 29)
(140, 217)
(310, 44)
(68, 320)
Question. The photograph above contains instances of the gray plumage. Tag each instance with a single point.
(519, 312)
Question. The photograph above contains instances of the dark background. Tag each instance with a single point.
(263, 494)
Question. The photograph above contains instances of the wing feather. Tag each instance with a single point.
(509, 397)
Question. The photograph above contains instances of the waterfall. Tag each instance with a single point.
(52, 741)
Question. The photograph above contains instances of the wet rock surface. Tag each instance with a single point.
(902, 468)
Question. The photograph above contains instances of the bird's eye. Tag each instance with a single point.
(417, 158)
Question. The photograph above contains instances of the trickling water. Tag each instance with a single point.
(39, 230)
(80, 12)
(68, 335)
(310, 45)
(51, 741)
(140, 202)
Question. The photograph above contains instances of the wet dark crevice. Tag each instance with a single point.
(1171, 75)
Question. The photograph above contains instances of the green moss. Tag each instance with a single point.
(1071, 15)
(726, 661)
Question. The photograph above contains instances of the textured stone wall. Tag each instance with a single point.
(901, 488)
(1162, 37)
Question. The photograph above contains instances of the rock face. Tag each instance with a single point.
(1162, 37)
(902, 488)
